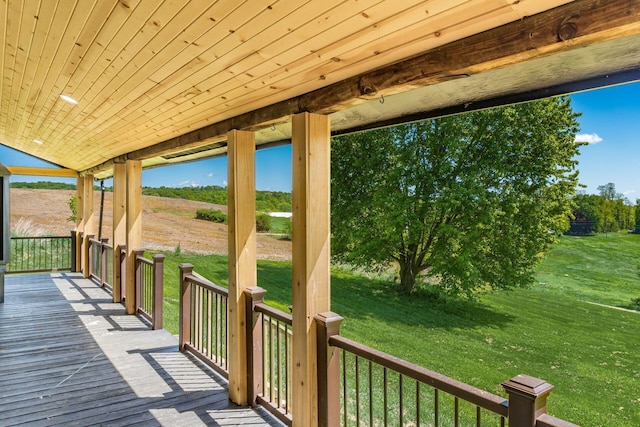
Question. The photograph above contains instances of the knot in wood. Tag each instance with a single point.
(568, 29)
(366, 87)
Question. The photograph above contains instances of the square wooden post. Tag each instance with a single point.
(311, 256)
(79, 222)
(119, 237)
(254, 344)
(89, 224)
(158, 290)
(184, 327)
(527, 399)
(134, 229)
(103, 261)
(242, 254)
(327, 325)
(138, 253)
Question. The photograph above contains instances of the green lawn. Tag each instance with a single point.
(590, 353)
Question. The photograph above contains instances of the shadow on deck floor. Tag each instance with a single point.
(69, 356)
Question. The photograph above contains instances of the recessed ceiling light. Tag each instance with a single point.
(69, 99)
(37, 141)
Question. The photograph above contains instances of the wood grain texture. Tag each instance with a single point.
(311, 292)
(242, 254)
(145, 72)
(574, 26)
(69, 356)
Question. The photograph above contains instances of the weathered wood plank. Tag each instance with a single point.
(69, 356)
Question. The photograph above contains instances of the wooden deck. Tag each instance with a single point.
(68, 356)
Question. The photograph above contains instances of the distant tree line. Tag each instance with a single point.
(604, 212)
(44, 185)
(266, 201)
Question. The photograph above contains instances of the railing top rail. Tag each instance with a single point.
(107, 245)
(478, 397)
(546, 420)
(200, 281)
(144, 260)
(39, 237)
(275, 313)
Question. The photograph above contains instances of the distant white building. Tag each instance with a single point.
(280, 214)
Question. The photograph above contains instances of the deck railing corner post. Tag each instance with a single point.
(87, 256)
(138, 253)
(185, 306)
(527, 399)
(104, 241)
(254, 296)
(74, 245)
(328, 364)
(158, 290)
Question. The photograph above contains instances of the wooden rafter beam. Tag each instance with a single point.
(571, 26)
(25, 170)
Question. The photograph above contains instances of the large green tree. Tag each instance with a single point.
(469, 202)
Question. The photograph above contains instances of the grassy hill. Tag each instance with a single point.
(555, 330)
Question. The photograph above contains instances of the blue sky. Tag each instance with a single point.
(610, 121)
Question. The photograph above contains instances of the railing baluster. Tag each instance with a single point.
(400, 400)
(210, 324)
(271, 359)
(344, 387)
(216, 336)
(370, 393)
(265, 367)
(357, 376)
(279, 385)
(436, 405)
(417, 403)
(385, 396)
(456, 414)
(287, 367)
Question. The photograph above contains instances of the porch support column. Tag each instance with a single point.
(89, 222)
(242, 255)
(119, 225)
(311, 253)
(79, 221)
(133, 213)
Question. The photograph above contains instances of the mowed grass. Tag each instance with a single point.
(553, 330)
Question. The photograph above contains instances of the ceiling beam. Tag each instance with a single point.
(571, 26)
(26, 170)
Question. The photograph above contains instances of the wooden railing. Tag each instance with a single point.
(379, 389)
(203, 319)
(39, 254)
(272, 370)
(364, 386)
(101, 262)
(149, 280)
(149, 287)
(357, 385)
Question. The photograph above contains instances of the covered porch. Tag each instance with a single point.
(148, 84)
(70, 356)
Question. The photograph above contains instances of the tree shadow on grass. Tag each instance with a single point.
(359, 298)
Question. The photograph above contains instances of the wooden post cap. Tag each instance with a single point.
(527, 386)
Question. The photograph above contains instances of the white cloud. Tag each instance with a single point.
(629, 192)
(210, 175)
(589, 138)
(188, 183)
(224, 183)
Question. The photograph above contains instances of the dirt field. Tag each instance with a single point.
(166, 223)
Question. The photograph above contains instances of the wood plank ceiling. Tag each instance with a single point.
(145, 72)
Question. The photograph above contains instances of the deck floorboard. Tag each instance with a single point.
(69, 356)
